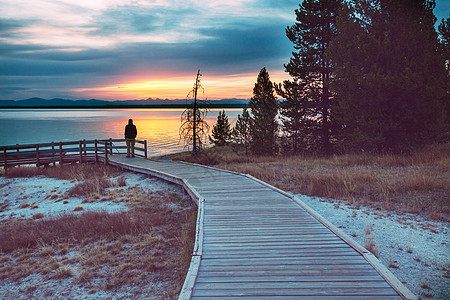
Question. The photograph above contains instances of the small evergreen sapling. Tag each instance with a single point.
(221, 132)
(241, 131)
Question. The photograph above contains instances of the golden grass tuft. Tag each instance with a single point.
(38, 216)
(369, 242)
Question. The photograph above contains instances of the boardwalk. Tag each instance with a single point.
(254, 241)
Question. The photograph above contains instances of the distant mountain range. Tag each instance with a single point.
(57, 102)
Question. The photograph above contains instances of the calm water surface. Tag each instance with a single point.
(160, 127)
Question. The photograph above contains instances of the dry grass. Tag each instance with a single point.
(153, 241)
(415, 183)
(120, 249)
(76, 172)
(95, 185)
(369, 243)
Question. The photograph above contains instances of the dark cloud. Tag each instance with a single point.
(134, 20)
(8, 25)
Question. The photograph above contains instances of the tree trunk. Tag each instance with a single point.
(326, 146)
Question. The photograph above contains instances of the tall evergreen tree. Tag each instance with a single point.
(241, 131)
(264, 109)
(221, 132)
(308, 102)
(297, 118)
(444, 32)
(390, 74)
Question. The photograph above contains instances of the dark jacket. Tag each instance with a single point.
(130, 131)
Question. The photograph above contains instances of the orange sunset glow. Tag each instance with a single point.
(177, 87)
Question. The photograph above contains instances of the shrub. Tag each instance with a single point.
(121, 181)
(96, 185)
(61, 273)
(38, 216)
(370, 243)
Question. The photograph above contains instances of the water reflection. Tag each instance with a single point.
(160, 127)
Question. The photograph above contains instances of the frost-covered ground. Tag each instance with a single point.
(24, 198)
(415, 250)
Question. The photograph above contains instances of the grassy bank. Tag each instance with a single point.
(148, 245)
(416, 183)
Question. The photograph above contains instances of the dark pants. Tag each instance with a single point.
(130, 146)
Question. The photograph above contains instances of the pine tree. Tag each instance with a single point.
(308, 102)
(389, 74)
(221, 132)
(241, 131)
(264, 109)
(297, 118)
(444, 32)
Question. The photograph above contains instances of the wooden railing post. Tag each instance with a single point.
(110, 146)
(5, 159)
(96, 150)
(81, 151)
(37, 156)
(84, 145)
(145, 148)
(53, 154)
(60, 154)
(106, 151)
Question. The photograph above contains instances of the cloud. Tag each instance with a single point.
(135, 20)
(65, 45)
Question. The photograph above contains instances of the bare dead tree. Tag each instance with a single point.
(194, 128)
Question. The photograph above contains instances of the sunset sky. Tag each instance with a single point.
(136, 49)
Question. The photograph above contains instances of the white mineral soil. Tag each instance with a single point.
(415, 250)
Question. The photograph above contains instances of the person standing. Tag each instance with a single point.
(130, 137)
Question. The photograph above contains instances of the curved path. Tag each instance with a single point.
(255, 241)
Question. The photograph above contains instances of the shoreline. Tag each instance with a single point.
(156, 106)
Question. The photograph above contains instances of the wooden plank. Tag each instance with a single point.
(319, 291)
(293, 285)
(258, 238)
(285, 254)
(326, 260)
(268, 243)
(289, 249)
(304, 297)
(257, 191)
(287, 268)
(306, 243)
(256, 231)
(315, 274)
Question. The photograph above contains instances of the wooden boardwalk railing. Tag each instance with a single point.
(65, 152)
(254, 241)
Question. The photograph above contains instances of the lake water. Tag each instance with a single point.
(160, 127)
